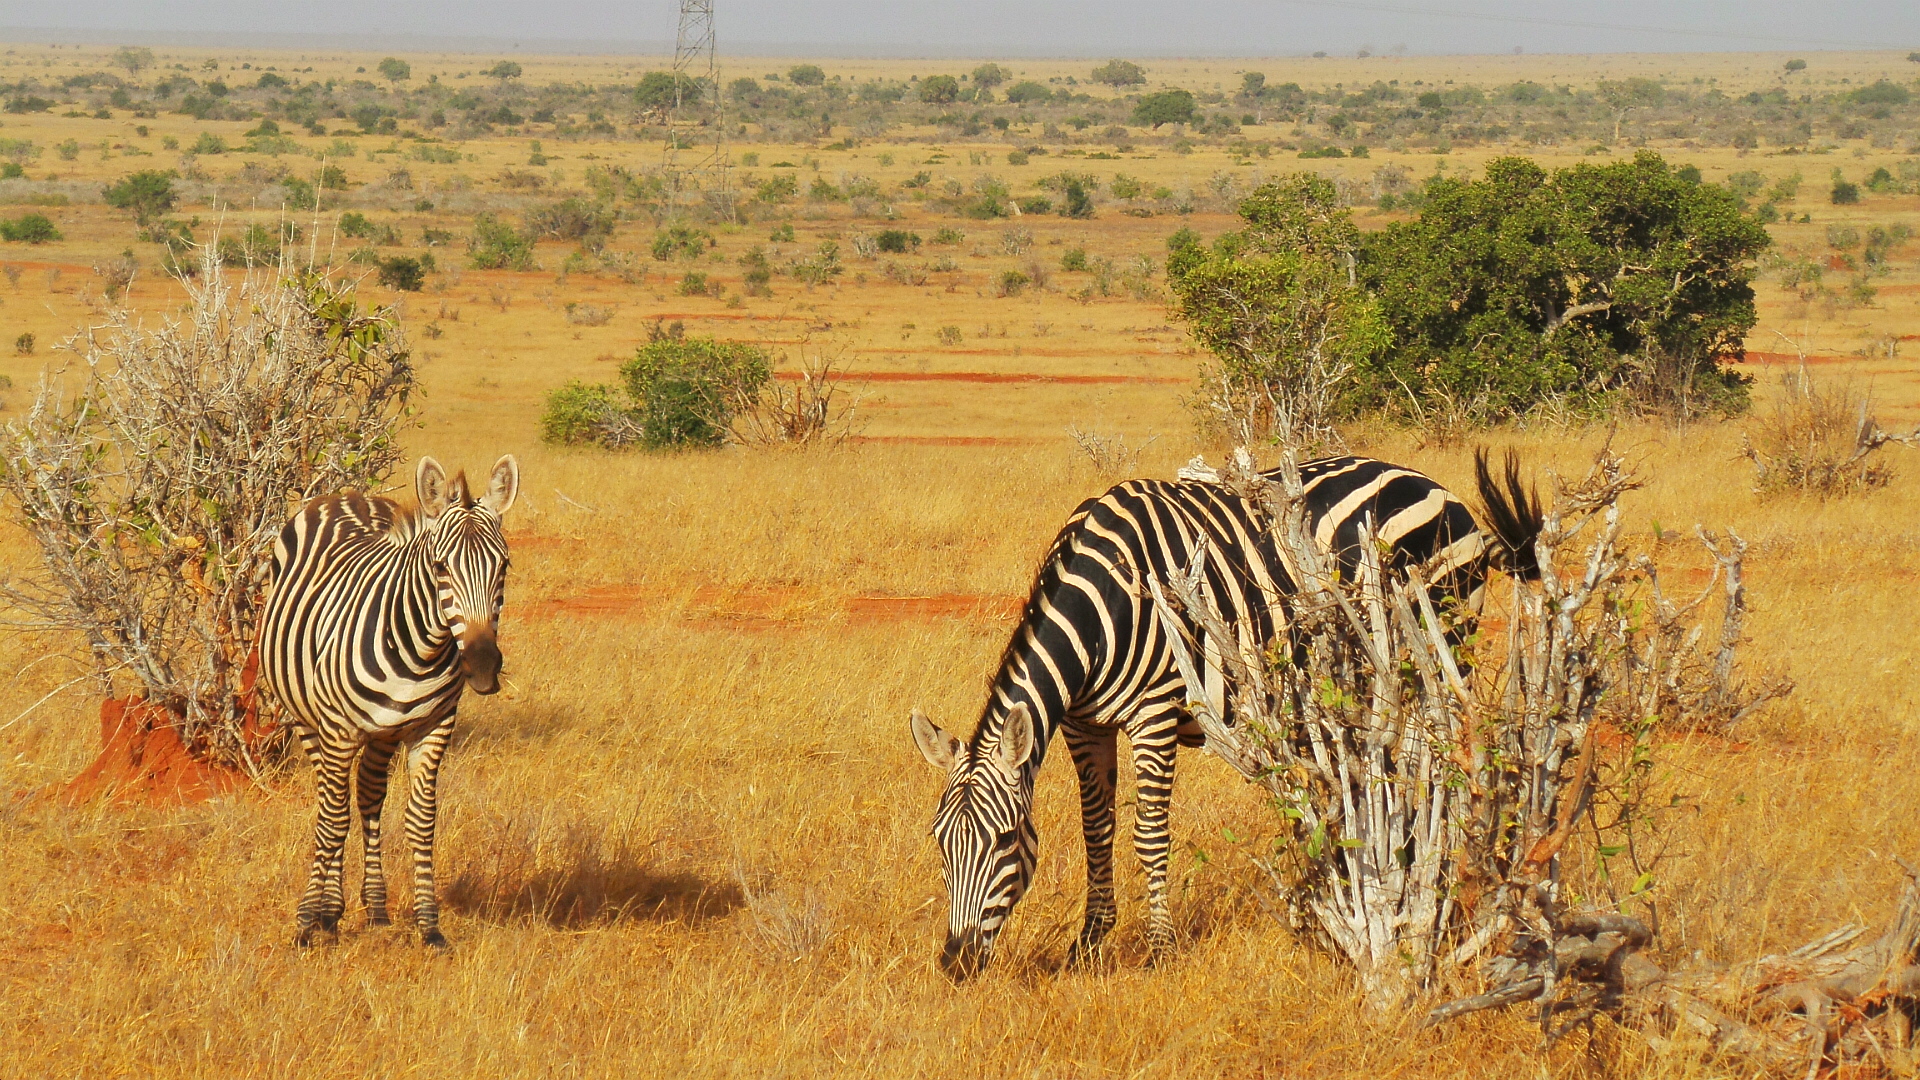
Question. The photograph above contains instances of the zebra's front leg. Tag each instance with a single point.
(375, 763)
(323, 902)
(1153, 760)
(423, 771)
(1096, 759)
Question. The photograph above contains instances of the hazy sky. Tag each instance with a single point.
(999, 27)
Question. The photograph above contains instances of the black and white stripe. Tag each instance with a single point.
(377, 619)
(1091, 659)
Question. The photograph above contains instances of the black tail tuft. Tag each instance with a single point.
(1513, 514)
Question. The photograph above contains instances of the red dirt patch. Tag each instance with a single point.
(143, 760)
(946, 605)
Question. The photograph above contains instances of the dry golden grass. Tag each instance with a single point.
(689, 837)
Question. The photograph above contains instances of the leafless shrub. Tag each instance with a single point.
(1039, 273)
(589, 314)
(865, 246)
(1818, 440)
(12, 270)
(1428, 801)
(500, 298)
(1110, 454)
(1016, 241)
(154, 488)
(815, 409)
(116, 275)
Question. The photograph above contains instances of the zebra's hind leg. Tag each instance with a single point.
(1095, 758)
(423, 771)
(375, 763)
(323, 902)
(1154, 748)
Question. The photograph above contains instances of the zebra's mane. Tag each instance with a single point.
(1028, 612)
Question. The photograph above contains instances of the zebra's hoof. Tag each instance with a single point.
(433, 939)
(305, 937)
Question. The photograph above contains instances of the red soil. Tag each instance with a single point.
(142, 760)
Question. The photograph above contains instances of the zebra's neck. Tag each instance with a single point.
(415, 604)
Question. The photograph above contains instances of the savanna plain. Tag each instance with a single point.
(689, 836)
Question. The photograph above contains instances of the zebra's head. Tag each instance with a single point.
(469, 556)
(984, 826)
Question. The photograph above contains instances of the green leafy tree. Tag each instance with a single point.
(395, 70)
(1598, 285)
(1164, 107)
(806, 75)
(988, 76)
(1252, 84)
(134, 58)
(657, 90)
(940, 90)
(1119, 73)
(1028, 92)
(1290, 333)
(675, 393)
(148, 193)
(504, 70)
(1796, 65)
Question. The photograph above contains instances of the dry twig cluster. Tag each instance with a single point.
(154, 489)
(1431, 791)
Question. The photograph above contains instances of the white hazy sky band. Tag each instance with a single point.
(998, 27)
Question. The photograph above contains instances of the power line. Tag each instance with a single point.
(1582, 24)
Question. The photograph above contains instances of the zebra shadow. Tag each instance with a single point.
(584, 885)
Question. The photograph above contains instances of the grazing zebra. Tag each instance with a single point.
(1090, 658)
(376, 620)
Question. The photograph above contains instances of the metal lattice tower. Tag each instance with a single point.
(696, 165)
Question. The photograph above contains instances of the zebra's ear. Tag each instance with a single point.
(502, 486)
(940, 749)
(430, 484)
(1015, 747)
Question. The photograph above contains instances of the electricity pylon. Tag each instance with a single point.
(696, 165)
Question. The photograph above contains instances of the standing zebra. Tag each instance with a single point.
(377, 619)
(1090, 658)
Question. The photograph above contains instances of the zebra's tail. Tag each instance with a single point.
(1513, 514)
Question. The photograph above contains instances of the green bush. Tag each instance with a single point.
(29, 229)
(806, 75)
(581, 414)
(694, 283)
(589, 223)
(356, 224)
(1845, 193)
(1119, 73)
(679, 241)
(1075, 261)
(1036, 204)
(1011, 283)
(896, 241)
(675, 392)
(403, 272)
(148, 193)
(496, 245)
(940, 90)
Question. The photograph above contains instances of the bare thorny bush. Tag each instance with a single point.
(815, 409)
(1430, 786)
(155, 473)
(1819, 439)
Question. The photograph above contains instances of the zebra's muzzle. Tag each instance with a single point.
(964, 955)
(480, 663)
